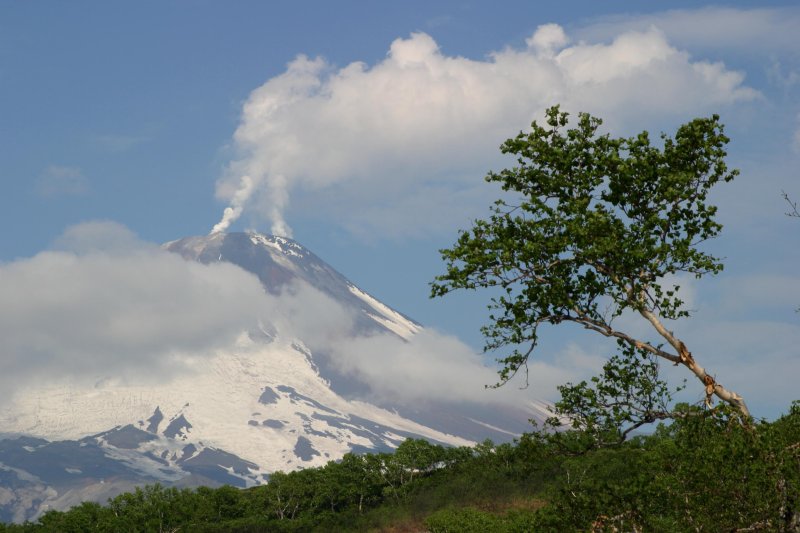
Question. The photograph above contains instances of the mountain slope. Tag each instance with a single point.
(265, 403)
(278, 261)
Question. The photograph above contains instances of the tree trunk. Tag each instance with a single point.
(686, 359)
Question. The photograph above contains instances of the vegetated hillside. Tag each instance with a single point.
(704, 472)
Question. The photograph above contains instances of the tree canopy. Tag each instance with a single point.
(595, 227)
(704, 472)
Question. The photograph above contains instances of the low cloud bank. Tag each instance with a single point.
(104, 304)
(435, 366)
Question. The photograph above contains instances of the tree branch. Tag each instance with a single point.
(793, 212)
(608, 331)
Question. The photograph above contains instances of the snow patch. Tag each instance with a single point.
(388, 317)
(281, 244)
(494, 428)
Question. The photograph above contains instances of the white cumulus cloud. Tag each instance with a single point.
(384, 134)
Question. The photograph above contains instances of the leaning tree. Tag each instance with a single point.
(592, 228)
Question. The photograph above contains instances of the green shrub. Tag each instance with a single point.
(466, 520)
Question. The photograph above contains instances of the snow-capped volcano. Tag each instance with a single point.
(279, 261)
(270, 401)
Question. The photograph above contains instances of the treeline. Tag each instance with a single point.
(706, 471)
(337, 496)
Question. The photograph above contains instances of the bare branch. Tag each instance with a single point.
(608, 331)
(793, 212)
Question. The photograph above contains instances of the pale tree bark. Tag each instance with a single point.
(685, 358)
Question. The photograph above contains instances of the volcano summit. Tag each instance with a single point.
(283, 396)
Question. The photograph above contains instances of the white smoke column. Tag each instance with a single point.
(234, 210)
(279, 198)
(276, 200)
(260, 139)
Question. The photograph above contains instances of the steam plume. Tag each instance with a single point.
(234, 210)
(279, 199)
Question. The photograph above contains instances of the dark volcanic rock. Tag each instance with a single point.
(127, 437)
(304, 450)
(269, 396)
(155, 420)
(178, 427)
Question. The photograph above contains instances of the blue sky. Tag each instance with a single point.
(385, 119)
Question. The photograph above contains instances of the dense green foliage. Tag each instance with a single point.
(593, 227)
(703, 472)
(369, 490)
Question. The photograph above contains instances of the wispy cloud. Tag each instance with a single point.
(57, 180)
(770, 29)
(435, 366)
(796, 136)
